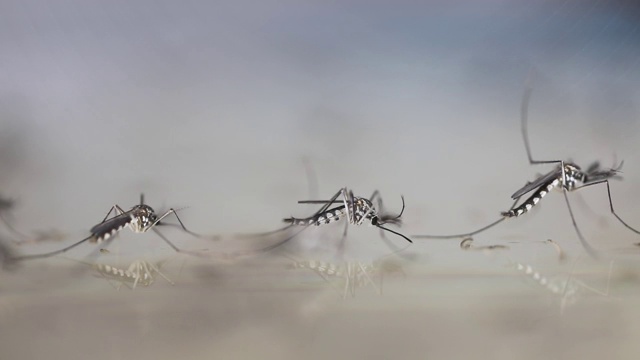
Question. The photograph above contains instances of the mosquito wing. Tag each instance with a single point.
(114, 224)
(537, 183)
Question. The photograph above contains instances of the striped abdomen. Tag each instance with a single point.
(533, 199)
(107, 229)
(326, 217)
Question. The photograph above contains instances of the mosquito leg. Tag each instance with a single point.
(524, 117)
(173, 246)
(52, 253)
(116, 209)
(610, 203)
(456, 236)
(348, 204)
(327, 203)
(584, 243)
(172, 211)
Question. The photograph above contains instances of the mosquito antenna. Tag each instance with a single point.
(141, 198)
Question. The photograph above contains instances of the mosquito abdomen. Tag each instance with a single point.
(532, 200)
(326, 217)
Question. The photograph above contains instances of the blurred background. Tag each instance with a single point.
(223, 107)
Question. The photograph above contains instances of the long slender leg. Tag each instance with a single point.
(172, 211)
(347, 199)
(115, 208)
(327, 203)
(52, 253)
(524, 110)
(591, 251)
(348, 207)
(175, 247)
(610, 203)
(524, 117)
(346, 203)
(456, 236)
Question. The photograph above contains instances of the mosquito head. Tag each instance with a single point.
(595, 173)
(142, 218)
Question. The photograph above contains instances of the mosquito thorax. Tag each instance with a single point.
(142, 218)
(572, 174)
(364, 207)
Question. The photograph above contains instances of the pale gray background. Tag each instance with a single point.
(215, 106)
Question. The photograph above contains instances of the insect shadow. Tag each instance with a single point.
(566, 176)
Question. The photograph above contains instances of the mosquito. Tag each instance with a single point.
(140, 218)
(355, 209)
(566, 176)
